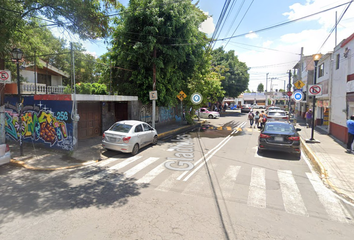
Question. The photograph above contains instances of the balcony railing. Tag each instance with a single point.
(30, 88)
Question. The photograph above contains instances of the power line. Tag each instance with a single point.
(282, 24)
(334, 27)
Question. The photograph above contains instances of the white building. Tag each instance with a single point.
(342, 94)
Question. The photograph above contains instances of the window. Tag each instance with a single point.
(138, 128)
(337, 61)
(321, 70)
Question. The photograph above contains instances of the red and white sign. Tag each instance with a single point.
(289, 93)
(5, 76)
(315, 90)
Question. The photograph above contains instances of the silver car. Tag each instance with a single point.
(277, 115)
(129, 136)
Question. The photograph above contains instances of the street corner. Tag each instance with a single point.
(40, 163)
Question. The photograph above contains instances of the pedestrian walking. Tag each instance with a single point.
(262, 119)
(350, 126)
(308, 116)
(251, 117)
(256, 119)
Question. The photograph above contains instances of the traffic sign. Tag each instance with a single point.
(289, 93)
(153, 95)
(315, 90)
(299, 84)
(181, 95)
(196, 98)
(298, 95)
(5, 76)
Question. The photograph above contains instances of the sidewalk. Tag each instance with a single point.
(329, 159)
(89, 151)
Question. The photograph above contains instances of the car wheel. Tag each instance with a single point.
(154, 141)
(211, 116)
(135, 149)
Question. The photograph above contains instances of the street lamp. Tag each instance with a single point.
(17, 56)
(316, 58)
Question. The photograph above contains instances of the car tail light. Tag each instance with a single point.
(294, 138)
(103, 135)
(7, 148)
(264, 136)
(126, 139)
(285, 118)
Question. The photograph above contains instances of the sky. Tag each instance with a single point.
(261, 34)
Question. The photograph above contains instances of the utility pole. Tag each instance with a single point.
(266, 103)
(154, 89)
(289, 89)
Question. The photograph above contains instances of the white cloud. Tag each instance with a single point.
(251, 35)
(267, 43)
(208, 25)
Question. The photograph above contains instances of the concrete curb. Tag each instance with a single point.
(316, 162)
(24, 165)
(161, 135)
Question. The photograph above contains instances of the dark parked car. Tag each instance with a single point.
(246, 108)
(279, 136)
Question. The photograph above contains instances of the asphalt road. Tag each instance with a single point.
(229, 192)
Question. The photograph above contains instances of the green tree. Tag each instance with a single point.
(260, 87)
(88, 19)
(235, 72)
(160, 33)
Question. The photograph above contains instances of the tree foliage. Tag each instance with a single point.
(236, 77)
(260, 87)
(167, 30)
(88, 19)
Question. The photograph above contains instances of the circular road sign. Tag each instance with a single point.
(4, 75)
(196, 98)
(298, 96)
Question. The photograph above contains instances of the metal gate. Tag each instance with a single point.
(90, 122)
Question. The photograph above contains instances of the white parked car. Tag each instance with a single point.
(5, 154)
(206, 113)
(129, 136)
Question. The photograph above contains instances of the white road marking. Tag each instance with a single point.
(169, 183)
(125, 163)
(331, 203)
(228, 180)
(201, 159)
(211, 152)
(257, 192)
(140, 166)
(293, 202)
(196, 186)
(152, 174)
(107, 161)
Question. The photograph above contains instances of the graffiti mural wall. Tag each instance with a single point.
(46, 121)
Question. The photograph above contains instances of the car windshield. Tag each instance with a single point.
(278, 113)
(277, 127)
(119, 127)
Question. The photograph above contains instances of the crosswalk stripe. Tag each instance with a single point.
(195, 186)
(229, 180)
(292, 199)
(152, 174)
(140, 166)
(169, 183)
(125, 163)
(257, 191)
(107, 161)
(331, 203)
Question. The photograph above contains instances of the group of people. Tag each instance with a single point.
(257, 119)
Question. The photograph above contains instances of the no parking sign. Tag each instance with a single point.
(5, 76)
